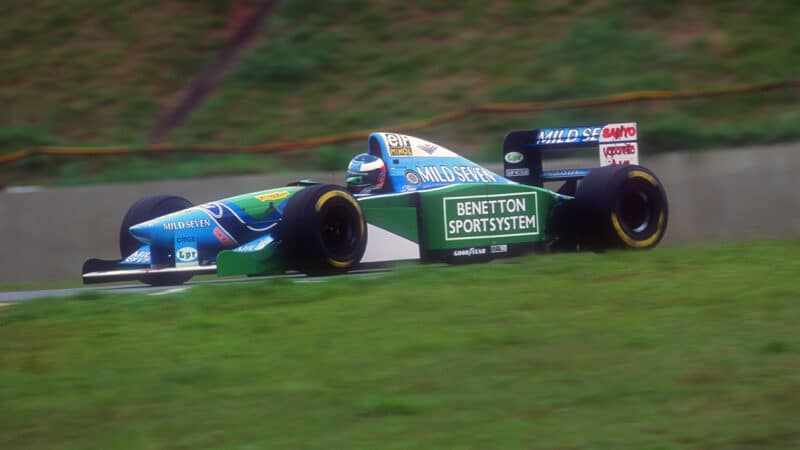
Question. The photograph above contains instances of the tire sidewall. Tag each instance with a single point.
(643, 181)
(597, 208)
(303, 244)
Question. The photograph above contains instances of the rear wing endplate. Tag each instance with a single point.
(523, 150)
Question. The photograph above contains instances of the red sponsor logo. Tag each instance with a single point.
(620, 132)
(219, 234)
(622, 149)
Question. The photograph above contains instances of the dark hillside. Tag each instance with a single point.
(101, 72)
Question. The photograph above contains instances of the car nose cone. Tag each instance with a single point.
(143, 232)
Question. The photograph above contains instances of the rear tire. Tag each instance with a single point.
(323, 230)
(141, 211)
(620, 207)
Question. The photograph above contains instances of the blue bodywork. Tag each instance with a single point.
(242, 223)
(414, 164)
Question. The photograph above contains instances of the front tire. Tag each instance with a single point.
(323, 231)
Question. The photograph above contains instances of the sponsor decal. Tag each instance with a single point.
(615, 132)
(398, 145)
(408, 188)
(470, 251)
(619, 149)
(428, 148)
(186, 249)
(514, 157)
(412, 177)
(141, 256)
(518, 172)
(455, 174)
(502, 248)
(254, 246)
(619, 154)
(619, 132)
(580, 135)
(491, 216)
(186, 224)
(222, 237)
(272, 196)
(186, 254)
(565, 173)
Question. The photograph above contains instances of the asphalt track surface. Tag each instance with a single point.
(20, 296)
(9, 298)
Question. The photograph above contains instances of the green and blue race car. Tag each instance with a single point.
(406, 198)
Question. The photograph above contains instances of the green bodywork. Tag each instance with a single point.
(464, 215)
(394, 212)
(453, 217)
(258, 204)
(259, 262)
(263, 261)
(484, 215)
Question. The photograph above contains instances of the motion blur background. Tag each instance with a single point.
(691, 345)
(119, 72)
(171, 76)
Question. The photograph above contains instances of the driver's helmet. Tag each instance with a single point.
(366, 173)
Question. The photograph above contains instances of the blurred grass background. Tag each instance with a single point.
(692, 347)
(97, 72)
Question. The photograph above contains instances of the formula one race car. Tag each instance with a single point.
(415, 200)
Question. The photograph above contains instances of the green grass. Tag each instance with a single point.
(675, 348)
(324, 67)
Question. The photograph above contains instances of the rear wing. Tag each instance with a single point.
(524, 150)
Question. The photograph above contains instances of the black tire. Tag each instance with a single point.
(620, 207)
(323, 230)
(141, 211)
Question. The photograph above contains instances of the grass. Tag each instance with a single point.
(325, 67)
(675, 348)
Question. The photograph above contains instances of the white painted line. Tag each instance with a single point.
(23, 189)
(172, 291)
